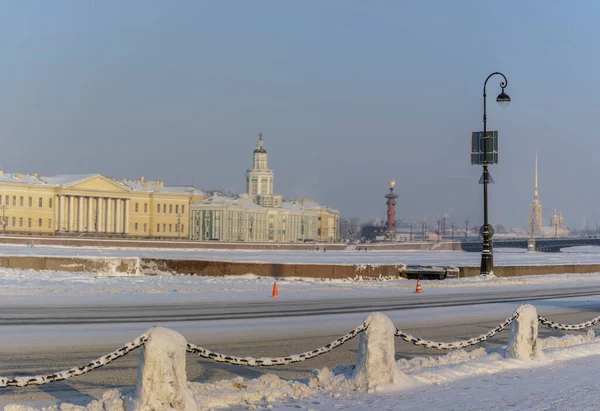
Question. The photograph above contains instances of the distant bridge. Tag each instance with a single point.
(547, 244)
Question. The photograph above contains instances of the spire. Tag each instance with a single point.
(260, 145)
(535, 190)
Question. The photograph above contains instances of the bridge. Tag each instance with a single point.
(546, 244)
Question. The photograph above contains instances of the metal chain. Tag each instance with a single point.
(73, 372)
(568, 327)
(459, 344)
(269, 362)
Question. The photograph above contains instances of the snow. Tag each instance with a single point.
(523, 337)
(463, 380)
(376, 365)
(502, 256)
(162, 381)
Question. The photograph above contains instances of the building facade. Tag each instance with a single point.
(94, 205)
(260, 215)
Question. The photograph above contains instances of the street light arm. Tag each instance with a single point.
(503, 84)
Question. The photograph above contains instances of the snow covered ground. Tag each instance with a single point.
(575, 255)
(566, 378)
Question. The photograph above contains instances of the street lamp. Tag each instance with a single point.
(487, 231)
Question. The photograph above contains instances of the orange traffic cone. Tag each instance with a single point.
(275, 293)
(419, 289)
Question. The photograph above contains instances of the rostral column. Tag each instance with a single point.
(391, 210)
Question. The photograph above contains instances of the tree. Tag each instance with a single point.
(225, 192)
(349, 228)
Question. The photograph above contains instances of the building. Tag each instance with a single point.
(259, 215)
(535, 209)
(535, 226)
(95, 205)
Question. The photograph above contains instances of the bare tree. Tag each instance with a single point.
(353, 228)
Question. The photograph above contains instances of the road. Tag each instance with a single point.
(463, 315)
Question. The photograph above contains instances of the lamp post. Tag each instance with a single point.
(466, 229)
(4, 218)
(487, 231)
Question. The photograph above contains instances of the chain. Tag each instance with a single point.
(269, 362)
(459, 344)
(568, 327)
(73, 372)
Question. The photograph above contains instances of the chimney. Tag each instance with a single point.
(142, 179)
(19, 176)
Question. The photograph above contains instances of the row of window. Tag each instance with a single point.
(158, 208)
(29, 222)
(22, 201)
(178, 228)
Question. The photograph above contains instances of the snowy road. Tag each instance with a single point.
(263, 337)
(120, 314)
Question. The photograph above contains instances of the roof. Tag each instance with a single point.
(157, 187)
(294, 205)
(61, 180)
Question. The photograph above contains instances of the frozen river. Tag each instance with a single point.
(575, 255)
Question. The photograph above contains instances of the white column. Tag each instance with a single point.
(57, 213)
(80, 214)
(119, 217)
(126, 222)
(99, 211)
(90, 220)
(109, 226)
(71, 213)
(61, 213)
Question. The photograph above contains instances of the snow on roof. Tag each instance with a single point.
(155, 186)
(66, 179)
(223, 200)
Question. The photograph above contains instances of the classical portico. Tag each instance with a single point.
(92, 214)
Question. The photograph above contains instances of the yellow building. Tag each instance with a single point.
(95, 205)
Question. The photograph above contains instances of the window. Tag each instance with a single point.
(29, 223)
(158, 228)
(21, 201)
(50, 202)
(145, 227)
(30, 201)
(158, 208)
(182, 228)
(177, 209)
(49, 223)
(182, 209)
(145, 209)
(20, 221)
(164, 208)
(14, 222)
(135, 226)
(136, 207)
(164, 228)
(170, 228)
(40, 223)
(170, 208)
(40, 203)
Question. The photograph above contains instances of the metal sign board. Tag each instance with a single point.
(477, 148)
(490, 180)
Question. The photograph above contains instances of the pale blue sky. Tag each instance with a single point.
(348, 95)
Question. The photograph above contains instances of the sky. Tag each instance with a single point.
(348, 95)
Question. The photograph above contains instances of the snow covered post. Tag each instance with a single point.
(376, 363)
(522, 341)
(162, 380)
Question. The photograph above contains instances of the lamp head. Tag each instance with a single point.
(503, 99)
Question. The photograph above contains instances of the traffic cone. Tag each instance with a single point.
(419, 289)
(275, 293)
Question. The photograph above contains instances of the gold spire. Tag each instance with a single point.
(535, 190)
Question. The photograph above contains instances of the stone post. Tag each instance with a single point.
(376, 363)
(162, 380)
(522, 341)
